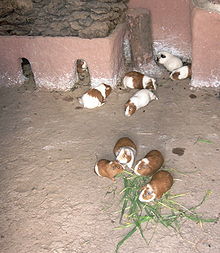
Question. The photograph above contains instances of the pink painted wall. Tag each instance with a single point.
(53, 58)
(170, 24)
(205, 48)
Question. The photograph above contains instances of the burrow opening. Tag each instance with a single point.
(27, 73)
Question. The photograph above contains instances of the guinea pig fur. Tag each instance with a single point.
(169, 61)
(160, 183)
(109, 169)
(95, 97)
(140, 99)
(136, 80)
(125, 151)
(151, 163)
(181, 73)
(81, 66)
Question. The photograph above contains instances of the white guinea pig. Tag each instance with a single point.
(95, 97)
(125, 151)
(137, 80)
(181, 73)
(140, 99)
(169, 61)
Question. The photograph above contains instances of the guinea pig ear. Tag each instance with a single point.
(127, 104)
(107, 87)
(143, 187)
(132, 109)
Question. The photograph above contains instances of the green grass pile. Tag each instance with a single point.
(166, 211)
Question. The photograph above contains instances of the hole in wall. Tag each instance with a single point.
(26, 68)
(82, 74)
(29, 83)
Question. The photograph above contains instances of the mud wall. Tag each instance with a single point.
(170, 24)
(205, 19)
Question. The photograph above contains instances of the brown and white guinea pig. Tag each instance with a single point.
(181, 73)
(81, 66)
(160, 183)
(125, 151)
(137, 80)
(140, 99)
(109, 169)
(95, 97)
(169, 61)
(150, 164)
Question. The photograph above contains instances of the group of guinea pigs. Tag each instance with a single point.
(96, 97)
(125, 151)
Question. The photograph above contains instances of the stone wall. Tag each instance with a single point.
(215, 1)
(80, 18)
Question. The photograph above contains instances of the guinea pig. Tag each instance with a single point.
(109, 169)
(95, 97)
(136, 80)
(181, 73)
(149, 164)
(160, 183)
(140, 99)
(81, 68)
(169, 61)
(125, 151)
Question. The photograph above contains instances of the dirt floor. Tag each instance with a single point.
(51, 199)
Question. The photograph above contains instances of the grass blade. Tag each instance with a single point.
(123, 210)
(128, 235)
(204, 141)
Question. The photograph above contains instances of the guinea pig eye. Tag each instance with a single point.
(116, 166)
(163, 56)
